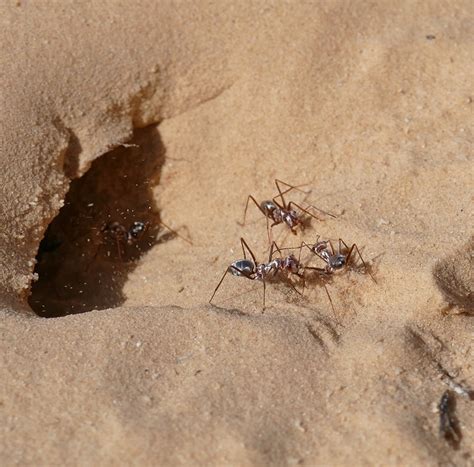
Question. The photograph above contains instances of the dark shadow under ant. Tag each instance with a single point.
(263, 272)
(283, 212)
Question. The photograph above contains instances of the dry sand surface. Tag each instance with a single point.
(174, 112)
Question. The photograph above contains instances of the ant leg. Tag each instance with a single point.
(301, 276)
(175, 232)
(240, 271)
(290, 187)
(319, 254)
(332, 247)
(245, 246)
(330, 299)
(310, 247)
(274, 245)
(219, 284)
(264, 293)
(119, 249)
(101, 242)
(269, 231)
(299, 256)
(309, 213)
(366, 269)
(330, 214)
(250, 197)
(323, 271)
(301, 208)
(343, 243)
(320, 270)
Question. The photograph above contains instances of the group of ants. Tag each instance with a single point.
(279, 266)
(287, 266)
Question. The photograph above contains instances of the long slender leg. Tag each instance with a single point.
(301, 208)
(241, 273)
(366, 269)
(245, 246)
(219, 284)
(119, 248)
(343, 243)
(274, 247)
(330, 299)
(290, 187)
(308, 246)
(323, 271)
(264, 293)
(250, 197)
(332, 248)
(330, 214)
(174, 232)
(320, 270)
(269, 231)
(101, 243)
(319, 254)
(301, 275)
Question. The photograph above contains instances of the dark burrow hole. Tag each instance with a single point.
(84, 258)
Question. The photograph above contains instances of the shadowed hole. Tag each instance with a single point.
(81, 265)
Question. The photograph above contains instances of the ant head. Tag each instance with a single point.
(338, 262)
(242, 267)
(137, 228)
(268, 206)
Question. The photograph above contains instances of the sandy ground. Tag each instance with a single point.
(111, 353)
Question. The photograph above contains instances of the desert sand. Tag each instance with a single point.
(173, 113)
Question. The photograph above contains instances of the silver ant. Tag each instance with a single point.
(122, 235)
(253, 270)
(282, 212)
(335, 261)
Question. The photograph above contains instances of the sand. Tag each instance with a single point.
(174, 113)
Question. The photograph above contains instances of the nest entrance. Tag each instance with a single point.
(81, 264)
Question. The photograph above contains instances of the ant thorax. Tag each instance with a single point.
(321, 248)
(290, 217)
(135, 231)
(264, 269)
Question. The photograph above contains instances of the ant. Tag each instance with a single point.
(253, 270)
(122, 235)
(335, 262)
(282, 212)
